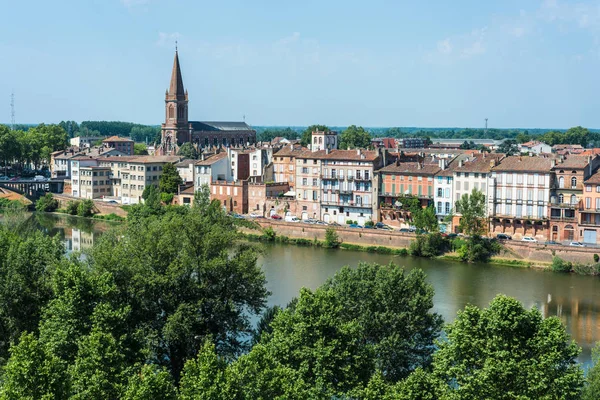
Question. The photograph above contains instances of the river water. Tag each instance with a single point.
(574, 299)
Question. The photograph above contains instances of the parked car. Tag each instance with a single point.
(320, 223)
(503, 236)
(310, 221)
(354, 226)
(529, 239)
(405, 230)
(39, 178)
(552, 242)
(369, 226)
(3, 178)
(291, 218)
(275, 216)
(576, 244)
(255, 215)
(381, 225)
(15, 178)
(236, 215)
(452, 235)
(112, 202)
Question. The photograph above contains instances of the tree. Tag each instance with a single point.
(508, 147)
(354, 138)
(188, 150)
(332, 241)
(140, 149)
(307, 134)
(169, 180)
(507, 352)
(472, 210)
(203, 377)
(47, 203)
(591, 390)
(150, 383)
(85, 208)
(425, 219)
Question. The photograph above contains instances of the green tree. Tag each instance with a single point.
(508, 147)
(187, 150)
(31, 373)
(591, 390)
(150, 383)
(72, 207)
(332, 241)
(307, 134)
(85, 208)
(169, 180)
(140, 149)
(507, 352)
(47, 203)
(203, 377)
(425, 219)
(354, 138)
(472, 210)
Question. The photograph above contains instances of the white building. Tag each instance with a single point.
(535, 147)
(443, 183)
(185, 168)
(77, 163)
(215, 167)
(324, 140)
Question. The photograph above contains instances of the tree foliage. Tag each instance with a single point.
(472, 210)
(306, 138)
(169, 180)
(187, 150)
(591, 390)
(47, 203)
(508, 147)
(354, 137)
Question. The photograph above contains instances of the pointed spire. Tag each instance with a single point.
(176, 87)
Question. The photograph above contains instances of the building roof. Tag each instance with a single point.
(116, 138)
(481, 162)
(95, 167)
(449, 170)
(594, 178)
(220, 126)
(524, 164)
(155, 159)
(212, 159)
(572, 162)
(341, 155)
(185, 163)
(591, 152)
(119, 158)
(290, 151)
(531, 143)
(411, 168)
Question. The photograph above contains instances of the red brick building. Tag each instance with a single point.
(260, 195)
(118, 143)
(232, 195)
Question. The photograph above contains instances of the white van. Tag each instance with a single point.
(291, 218)
(39, 178)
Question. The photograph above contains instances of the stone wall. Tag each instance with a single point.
(545, 253)
(102, 207)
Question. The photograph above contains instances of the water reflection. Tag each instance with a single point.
(572, 298)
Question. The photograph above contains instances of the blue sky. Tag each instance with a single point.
(520, 63)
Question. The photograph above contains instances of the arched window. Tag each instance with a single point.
(561, 182)
(561, 199)
(573, 199)
(315, 141)
(573, 182)
(171, 112)
(320, 140)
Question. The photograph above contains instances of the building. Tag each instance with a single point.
(324, 140)
(385, 143)
(535, 147)
(261, 196)
(240, 164)
(94, 182)
(185, 169)
(284, 161)
(60, 161)
(84, 141)
(519, 195)
(122, 145)
(347, 189)
(412, 143)
(233, 195)
(443, 189)
(589, 210)
(566, 149)
(308, 188)
(177, 129)
(213, 168)
(566, 193)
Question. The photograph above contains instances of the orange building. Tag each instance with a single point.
(284, 163)
(589, 211)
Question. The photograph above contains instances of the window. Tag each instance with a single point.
(573, 199)
(588, 188)
(498, 206)
(439, 207)
(588, 202)
(519, 211)
(440, 179)
(529, 194)
(440, 192)
(561, 199)
(530, 211)
(447, 194)
(519, 179)
(476, 175)
(573, 182)
(447, 207)
(530, 179)
(467, 186)
(466, 174)
(509, 178)
(561, 182)
(315, 182)
(314, 195)
(305, 170)
(457, 185)
(304, 181)
(498, 193)
(519, 194)
(598, 203)
(597, 188)
(540, 213)
(508, 194)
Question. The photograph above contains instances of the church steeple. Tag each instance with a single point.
(176, 89)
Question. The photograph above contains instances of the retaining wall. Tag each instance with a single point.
(102, 207)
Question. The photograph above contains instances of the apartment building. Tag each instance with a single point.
(518, 196)
(570, 173)
(324, 140)
(284, 162)
(589, 211)
(209, 169)
(261, 196)
(185, 169)
(118, 143)
(443, 193)
(348, 192)
(233, 195)
(308, 184)
(76, 164)
(94, 182)
(143, 171)
(535, 147)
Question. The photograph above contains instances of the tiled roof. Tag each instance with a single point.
(185, 163)
(286, 151)
(591, 152)
(572, 162)
(220, 126)
(411, 168)
(117, 139)
(479, 163)
(119, 158)
(350, 155)
(212, 159)
(449, 171)
(595, 178)
(155, 159)
(524, 164)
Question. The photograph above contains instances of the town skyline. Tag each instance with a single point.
(413, 65)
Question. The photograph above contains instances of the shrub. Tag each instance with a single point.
(596, 258)
(332, 241)
(47, 203)
(349, 222)
(431, 245)
(583, 269)
(560, 265)
(478, 249)
(369, 223)
(269, 234)
(403, 252)
(72, 207)
(166, 198)
(302, 242)
(85, 208)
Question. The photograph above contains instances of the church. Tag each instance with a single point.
(177, 129)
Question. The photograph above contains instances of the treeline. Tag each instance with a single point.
(137, 132)
(162, 308)
(31, 147)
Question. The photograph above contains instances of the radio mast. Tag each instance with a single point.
(12, 111)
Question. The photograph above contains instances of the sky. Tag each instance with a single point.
(525, 63)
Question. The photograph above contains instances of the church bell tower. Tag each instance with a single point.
(176, 130)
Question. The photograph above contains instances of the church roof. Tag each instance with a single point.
(220, 126)
(176, 87)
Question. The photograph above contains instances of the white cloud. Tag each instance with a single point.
(444, 46)
(475, 45)
(167, 39)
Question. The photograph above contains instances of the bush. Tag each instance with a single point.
(47, 203)
(85, 208)
(72, 207)
(431, 245)
(269, 234)
(369, 223)
(583, 269)
(560, 265)
(110, 217)
(349, 222)
(403, 252)
(303, 242)
(332, 241)
(166, 198)
(596, 258)
(478, 249)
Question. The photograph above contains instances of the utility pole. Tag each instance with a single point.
(486, 125)
(12, 111)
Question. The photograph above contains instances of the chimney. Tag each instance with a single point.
(460, 163)
(492, 163)
(419, 165)
(327, 150)
(553, 163)
(358, 152)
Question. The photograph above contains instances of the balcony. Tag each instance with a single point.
(363, 178)
(333, 176)
(570, 206)
(590, 210)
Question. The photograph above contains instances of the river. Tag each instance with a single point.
(573, 298)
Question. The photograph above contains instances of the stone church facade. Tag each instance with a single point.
(177, 129)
